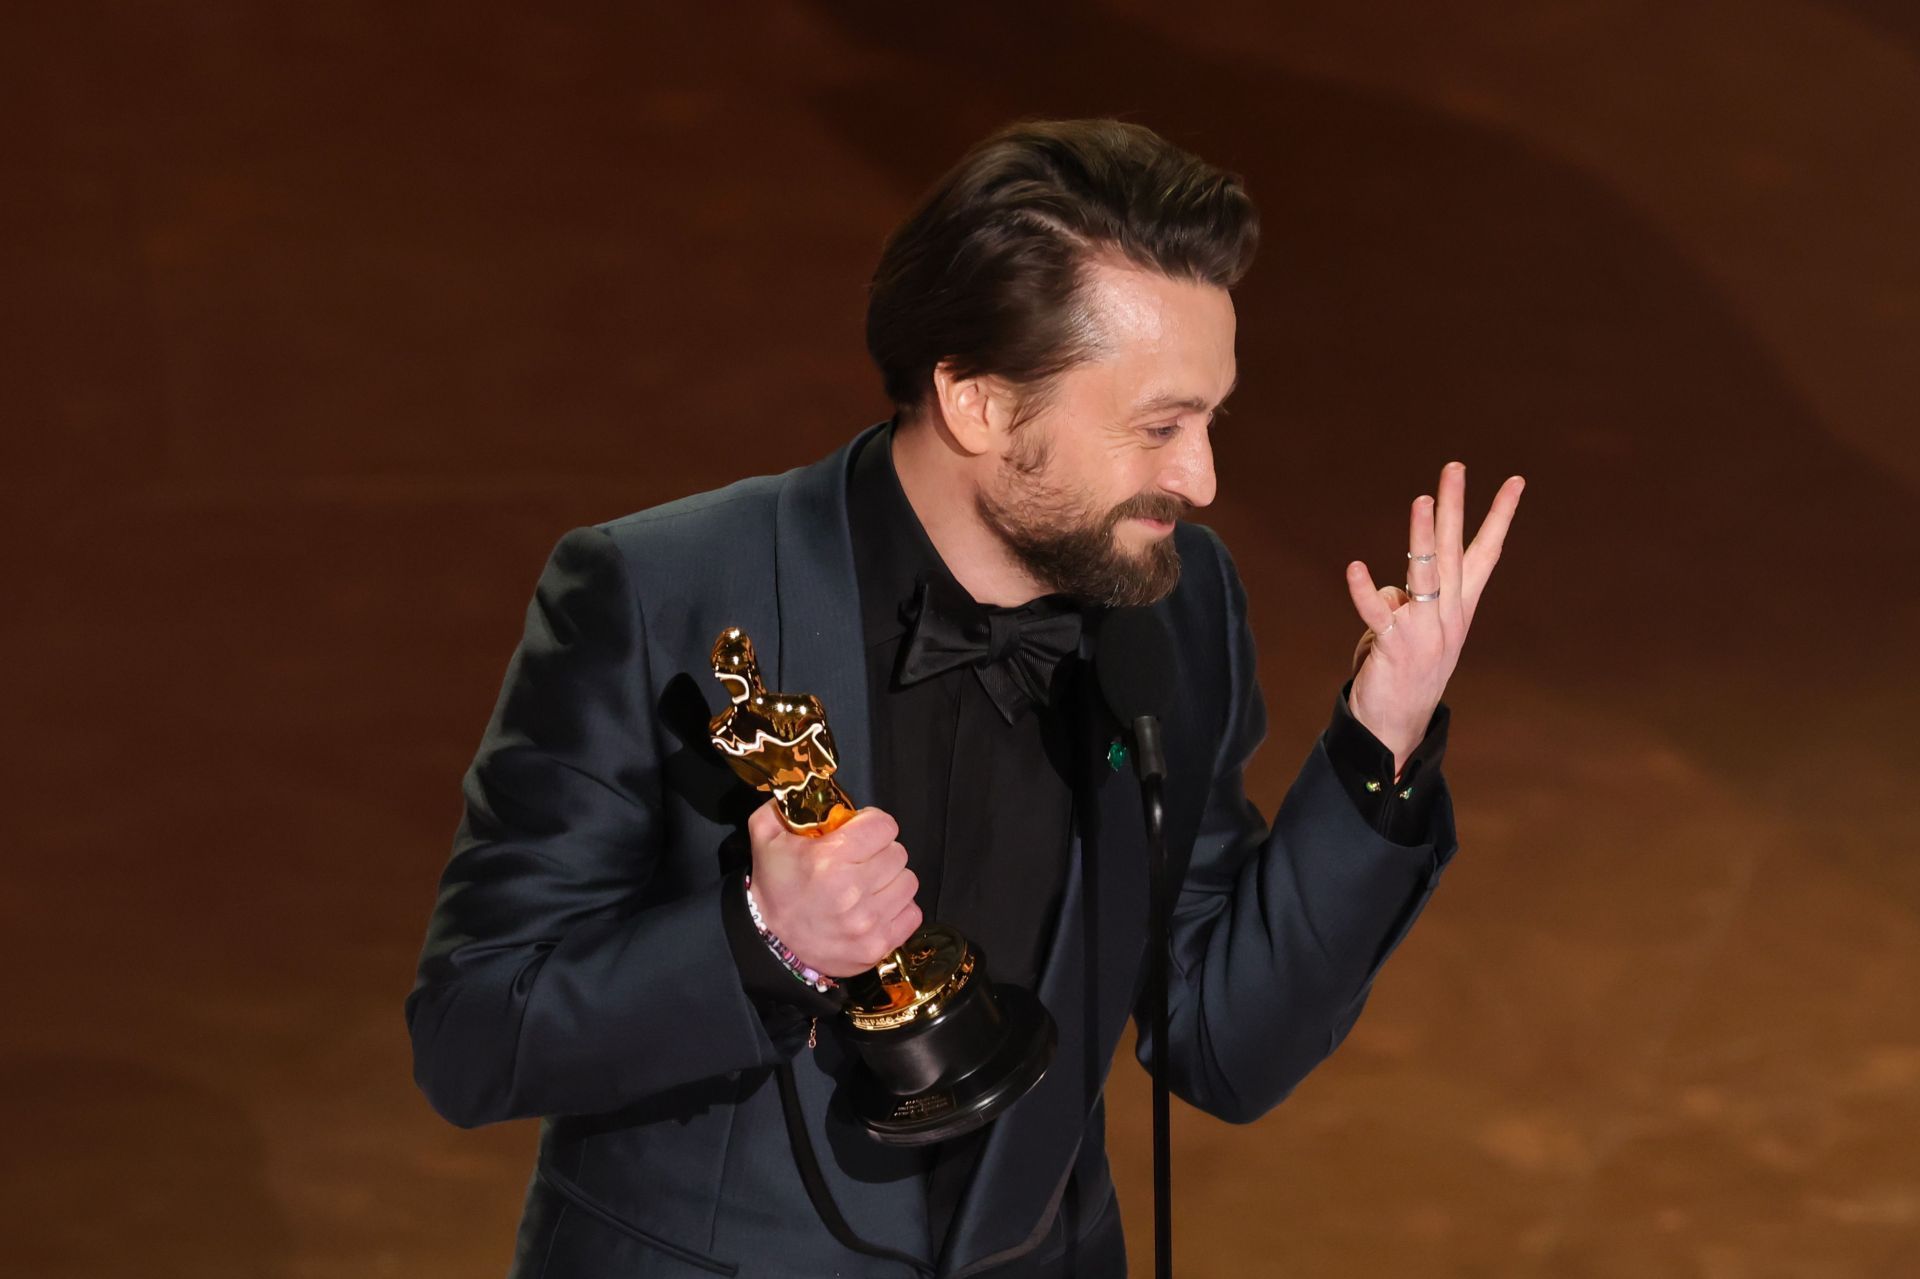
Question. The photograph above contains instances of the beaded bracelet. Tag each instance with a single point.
(791, 962)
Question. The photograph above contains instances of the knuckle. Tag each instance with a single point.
(880, 826)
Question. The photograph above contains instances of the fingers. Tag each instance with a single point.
(887, 900)
(866, 835)
(1448, 521)
(1485, 551)
(1394, 598)
(885, 919)
(1422, 578)
(902, 926)
(1373, 610)
(868, 905)
(885, 866)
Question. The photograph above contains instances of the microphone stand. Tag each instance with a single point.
(1150, 762)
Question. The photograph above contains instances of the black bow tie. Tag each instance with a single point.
(1012, 650)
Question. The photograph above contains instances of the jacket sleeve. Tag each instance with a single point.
(1278, 933)
(564, 971)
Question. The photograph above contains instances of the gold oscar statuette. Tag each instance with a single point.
(943, 1050)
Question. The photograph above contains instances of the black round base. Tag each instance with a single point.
(949, 1110)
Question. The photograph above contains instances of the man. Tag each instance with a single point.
(629, 944)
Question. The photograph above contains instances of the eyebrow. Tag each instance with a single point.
(1169, 400)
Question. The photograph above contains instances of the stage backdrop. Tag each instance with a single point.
(323, 322)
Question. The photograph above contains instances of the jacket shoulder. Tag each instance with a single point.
(744, 508)
(712, 542)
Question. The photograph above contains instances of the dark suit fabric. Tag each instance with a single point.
(577, 967)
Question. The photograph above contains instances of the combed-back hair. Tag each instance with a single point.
(986, 276)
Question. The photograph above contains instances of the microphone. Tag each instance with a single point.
(1133, 660)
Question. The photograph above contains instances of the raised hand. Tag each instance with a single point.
(1414, 635)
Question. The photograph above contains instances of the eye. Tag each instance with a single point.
(1165, 433)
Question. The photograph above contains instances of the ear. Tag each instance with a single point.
(978, 411)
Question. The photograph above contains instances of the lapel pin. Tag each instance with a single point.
(1116, 754)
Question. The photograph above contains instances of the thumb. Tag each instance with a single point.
(1394, 598)
(764, 823)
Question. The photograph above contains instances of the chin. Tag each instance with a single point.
(1138, 542)
(1150, 574)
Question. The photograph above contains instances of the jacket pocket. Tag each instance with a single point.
(564, 1186)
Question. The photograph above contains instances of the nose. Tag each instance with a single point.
(1189, 471)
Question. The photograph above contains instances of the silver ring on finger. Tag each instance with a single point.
(1421, 599)
(1421, 559)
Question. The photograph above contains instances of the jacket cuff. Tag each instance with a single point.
(1402, 811)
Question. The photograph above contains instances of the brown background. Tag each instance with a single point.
(322, 322)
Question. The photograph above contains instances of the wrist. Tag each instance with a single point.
(1399, 739)
(801, 971)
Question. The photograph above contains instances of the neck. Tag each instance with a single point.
(940, 480)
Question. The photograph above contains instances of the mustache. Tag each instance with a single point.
(1152, 506)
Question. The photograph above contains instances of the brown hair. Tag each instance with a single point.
(986, 275)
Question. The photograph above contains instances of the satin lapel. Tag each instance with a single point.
(820, 651)
(1088, 985)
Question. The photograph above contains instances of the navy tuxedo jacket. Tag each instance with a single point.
(576, 966)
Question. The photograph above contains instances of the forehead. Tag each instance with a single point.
(1160, 338)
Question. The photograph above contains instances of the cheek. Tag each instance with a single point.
(1097, 475)
(1143, 474)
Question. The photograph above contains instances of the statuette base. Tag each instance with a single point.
(1013, 1040)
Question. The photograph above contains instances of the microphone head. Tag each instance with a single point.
(1133, 660)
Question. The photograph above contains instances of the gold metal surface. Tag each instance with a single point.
(779, 743)
(919, 979)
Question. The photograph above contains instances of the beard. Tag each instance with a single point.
(1058, 536)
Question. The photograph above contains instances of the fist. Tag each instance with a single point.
(841, 901)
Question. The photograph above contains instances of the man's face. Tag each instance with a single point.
(1087, 490)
